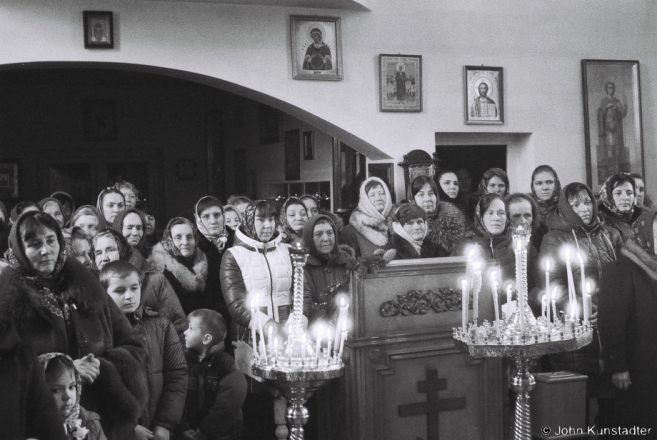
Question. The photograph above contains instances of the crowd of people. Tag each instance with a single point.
(113, 328)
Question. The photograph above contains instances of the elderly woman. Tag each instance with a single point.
(327, 269)
(110, 203)
(628, 329)
(131, 223)
(292, 219)
(89, 219)
(367, 230)
(55, 209)
(57, 305)
(446, 223)
(494, 181)
(156, 292)
(616, 207)
(178, 257)
(577, 226)
(546, 188)
(409, 234)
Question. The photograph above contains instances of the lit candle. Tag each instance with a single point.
(547, 288)
(330, 341)
(555, 293)
(342, 317)
(543, 303)
(496, 303)
(320, 333)
(254, 316)
(475, 291)
(270, 332)
(519, 287)
(342, 339)
(571, 282)
(586, 303)
(509, 293)
(464, 304)
(275, 347)
(581, 269)
(263, 348)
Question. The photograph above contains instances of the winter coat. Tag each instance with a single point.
(120, 391)
(157, 293)
(27, 408)
(215, 298)
(351, 237)
(215, 394)
(405, 250)
(448, 226)
(189, 283)
(91, 421)
(627, 312)
(166, 369)
(624, 227)
(252, 269)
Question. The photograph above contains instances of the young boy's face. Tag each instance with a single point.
(126, 292)
(194, 335)
(64, 390)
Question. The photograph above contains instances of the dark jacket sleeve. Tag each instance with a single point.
(42, 416)
(227, 407)
(234, 289)
(168, 304)
(348, 237)
(615, 311)
(174, 387)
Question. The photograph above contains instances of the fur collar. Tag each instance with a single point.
(641, 258)
(20, 295)
(193, 281)
(344, 255)
(371, 228)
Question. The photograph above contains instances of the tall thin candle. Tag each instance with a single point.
(571, 283)
(547, 288)
(586, 303)
(581, 269)
(554, 303)
(254, 317)
(464, 304)
(509, 293)
(519, 288)
(476, 288)
(496, 303)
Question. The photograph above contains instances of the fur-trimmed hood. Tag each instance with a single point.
(193, 279)
(647, 262)
(19, 298)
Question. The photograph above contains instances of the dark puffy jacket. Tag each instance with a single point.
(406, 251)
(623, 227)
(215, 299)
(166, 369)
(120, 391)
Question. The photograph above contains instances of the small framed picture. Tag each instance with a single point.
(400, 83)
(9, 179)
(308, 145)
(612, 119)
(484, 95)
(316, 48)
(98, 30)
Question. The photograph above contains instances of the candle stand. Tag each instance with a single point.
(297, 368)
(521, 338)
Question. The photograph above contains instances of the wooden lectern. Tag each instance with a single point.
(404, 380)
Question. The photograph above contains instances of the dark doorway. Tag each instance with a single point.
(474, 158)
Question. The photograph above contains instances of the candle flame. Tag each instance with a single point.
(270, 330)
(544, 298)
(555, 293)
(471, 253)
(509, 286)
(567, 253)
(547, 264)
(464, 284)
(493, 275)
(343, 301)
(589, 288)
(477, 265)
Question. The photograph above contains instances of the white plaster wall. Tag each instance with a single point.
(540, 44)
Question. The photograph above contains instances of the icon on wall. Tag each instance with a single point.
(484, 95)
(98, 30)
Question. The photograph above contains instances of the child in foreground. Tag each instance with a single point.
(216, 389)
(166, 367)
(66, 386)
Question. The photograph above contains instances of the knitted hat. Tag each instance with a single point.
(408, 212)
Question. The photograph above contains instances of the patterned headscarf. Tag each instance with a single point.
(607, 199)
(218, 240)
(248, 221)
(568, 214)
(16, 256)
(479, 225)
(551, 203)
(167, 238)
(643, 232)
(282, 218)
(493, 172)
(72, 422)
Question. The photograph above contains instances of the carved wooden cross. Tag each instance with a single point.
(433, 406)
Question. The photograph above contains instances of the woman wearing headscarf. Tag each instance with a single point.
(367, 230)
(576, 225)
(68, 205)
(446, 223)
(328, 267)
(311, 203)
(449, 191)
(627, 307)
(410, 234)
(178, 257)
(132, 225)
(156, 291)
(89, 219)
(53, 208)
(546, 188)
(213, 240)
(233, 219)
(110, 203)
(493, 240)
(496, 181)
(57, 305)
(20, 208)
(617, 210)
(642, 200)
(292, 218)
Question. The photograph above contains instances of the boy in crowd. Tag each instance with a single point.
(216, 389)
(166, 367)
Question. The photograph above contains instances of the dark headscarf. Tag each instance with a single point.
(42, 204)
(122, 244)
(89, 210)
(462, 199)
(493, 172)
(63, 197)
(480, 227)
(117, 225)
(568, 215)
(101, 198)
(167, 239)
(551, 203)
(308, 236)
(607, 199)
(643, 232)
(282, 218)
(204, 203)
(16, 256)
